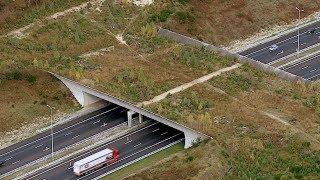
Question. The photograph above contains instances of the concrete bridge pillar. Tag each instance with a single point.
(140, 118)
(130, 114)
(191, 138)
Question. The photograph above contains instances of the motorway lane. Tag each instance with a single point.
(308, 69)
(131, 147)
(35, 148)
(287, 45)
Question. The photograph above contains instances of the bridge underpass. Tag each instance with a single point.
(86, 96)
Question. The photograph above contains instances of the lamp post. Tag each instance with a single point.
(51, 111)
(300, 10)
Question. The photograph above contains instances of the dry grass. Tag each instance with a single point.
(24, 95)
(221, 22)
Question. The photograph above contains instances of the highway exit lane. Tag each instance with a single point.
(131, 147)
(65, 135)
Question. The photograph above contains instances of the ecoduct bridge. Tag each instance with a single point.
(86, 96)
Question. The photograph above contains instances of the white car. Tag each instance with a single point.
(273, 47)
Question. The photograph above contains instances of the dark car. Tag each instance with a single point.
(312, 31)
(2, 163)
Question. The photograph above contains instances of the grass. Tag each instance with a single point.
(16, 14)
(142, 164)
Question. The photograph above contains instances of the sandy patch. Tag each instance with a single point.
(98, 52)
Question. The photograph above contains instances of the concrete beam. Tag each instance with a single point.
(79, 91)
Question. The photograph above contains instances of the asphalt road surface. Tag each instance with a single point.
(287, 45)
(67, 134)
(308, 69)
(130, 146)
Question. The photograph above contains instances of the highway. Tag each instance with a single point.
(308, 69)
(287, 44)
(131, 146)
(65, 135)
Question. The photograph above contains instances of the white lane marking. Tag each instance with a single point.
(38, 146)
(70, 167)
(303, 44)
(137, 145)
(46, 149)
(126, 157)
(164, 133)
(104, 124)
(89, 152)
(16, 162)
(305, 67)
(313, 76)
(155, 130)
(277, 43)
(75, 136)
(280, 53)
(96, 122)
(68, 133)
(313, 70)
(59, 131)
(8, 158)
(128, 142)
(301, 62)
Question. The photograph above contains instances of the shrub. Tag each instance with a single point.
(184, 2)
(184, 17)
(162, 17)
(31, 79)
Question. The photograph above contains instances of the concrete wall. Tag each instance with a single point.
(86, 95)
(193, 42)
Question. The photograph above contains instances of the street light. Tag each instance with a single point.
(51, 111)
(299, 30)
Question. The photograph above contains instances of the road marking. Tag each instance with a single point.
(8, 158)
(104, 124)
(68, 133)
(305, 67)
(128, 142)
(137, 145)
(277, 43)
(46, 149)
(164, 133)
(38, 146)
(89, 152)
(314, 76)
(59, 131)
(75, 136)
(16, 162)
(280, 53)
(126, 157)
(300, 62)
(96, 122)
(155, 130)
(313, 70)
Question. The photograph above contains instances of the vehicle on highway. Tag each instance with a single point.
(312, 31)
(106, 156)
(2, 163)
(273, 47)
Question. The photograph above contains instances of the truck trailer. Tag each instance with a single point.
(95, 161)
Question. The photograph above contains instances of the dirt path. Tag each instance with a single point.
(189, 84)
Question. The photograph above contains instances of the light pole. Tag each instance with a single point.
(51, 111)
(299, 30)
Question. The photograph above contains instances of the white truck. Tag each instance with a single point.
(95, 161)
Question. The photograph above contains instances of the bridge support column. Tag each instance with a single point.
(190, 138)
(130, 113)
(140, 118)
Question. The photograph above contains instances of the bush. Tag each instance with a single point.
(14, 76)
(184, 2)
(184, 17)
(31, 79)
(162, 17)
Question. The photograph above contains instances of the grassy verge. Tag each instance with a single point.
(149, 161)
